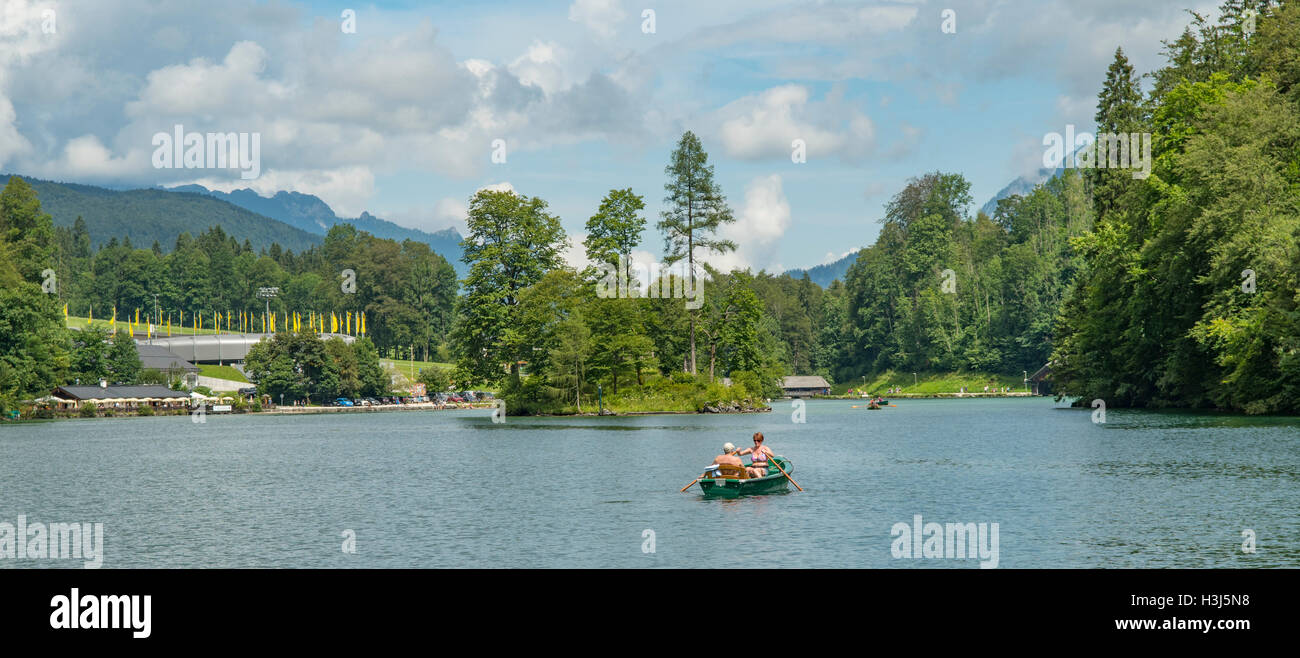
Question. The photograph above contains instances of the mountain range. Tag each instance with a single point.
(153, 215)
(293, 220)
(309, 213)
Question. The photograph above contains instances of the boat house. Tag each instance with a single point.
(804, 386)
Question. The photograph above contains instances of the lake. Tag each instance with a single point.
(453, 489)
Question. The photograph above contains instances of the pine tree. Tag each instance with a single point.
(695, 210)
(1119, 112)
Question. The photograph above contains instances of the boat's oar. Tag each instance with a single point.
(689, 485)
(787, 475)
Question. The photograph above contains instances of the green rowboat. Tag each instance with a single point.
(732, 487)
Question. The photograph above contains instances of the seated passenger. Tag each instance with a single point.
(729, 458)
(758, 463)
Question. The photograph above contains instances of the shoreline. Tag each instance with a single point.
(924, 396)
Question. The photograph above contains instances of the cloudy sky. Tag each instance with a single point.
(399, 116)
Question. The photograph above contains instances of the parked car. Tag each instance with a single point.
(486, 395)
(342, 402)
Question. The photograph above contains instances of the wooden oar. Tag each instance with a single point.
(689, 485)
(787, 475)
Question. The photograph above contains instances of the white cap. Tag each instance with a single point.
(727, 448)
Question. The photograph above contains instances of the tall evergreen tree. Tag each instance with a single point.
(1119, 112)
(695, 209)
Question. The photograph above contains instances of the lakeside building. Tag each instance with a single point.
(1042, 380)
(805, 386)
(156, 357)
(118, 397)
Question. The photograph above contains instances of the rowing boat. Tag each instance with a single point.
(725, 482)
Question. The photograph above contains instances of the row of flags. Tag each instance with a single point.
(247, 322)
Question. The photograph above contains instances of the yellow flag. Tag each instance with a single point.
(363, 323)
(92, 316)
(169, 325)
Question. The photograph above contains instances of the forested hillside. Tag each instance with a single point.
(1190, 294)
(309, 213)
(941, 290)
(148, 216)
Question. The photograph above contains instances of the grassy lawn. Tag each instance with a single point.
(411, 369)
(80, 323)
(221, 372)
(931, 383)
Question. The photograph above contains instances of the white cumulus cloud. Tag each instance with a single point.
(767, 124)
(600, 16)
(760, 224)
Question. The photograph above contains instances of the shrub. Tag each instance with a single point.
(144, 411)
(153, 376)
(435, 379)
(88, 410)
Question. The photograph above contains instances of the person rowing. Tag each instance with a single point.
(728, 458)
(758, 462)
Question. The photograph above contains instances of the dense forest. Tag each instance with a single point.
(405, 289)
(1178, 289)
(1190, 294)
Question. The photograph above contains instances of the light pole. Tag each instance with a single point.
(1026, 380)
(914, 384)
(268, 293)
(157, 316)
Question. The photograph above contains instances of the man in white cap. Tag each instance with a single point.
(728, 456)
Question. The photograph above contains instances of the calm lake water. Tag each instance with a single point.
(452, 489)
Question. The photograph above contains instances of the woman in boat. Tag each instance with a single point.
(758, 463)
